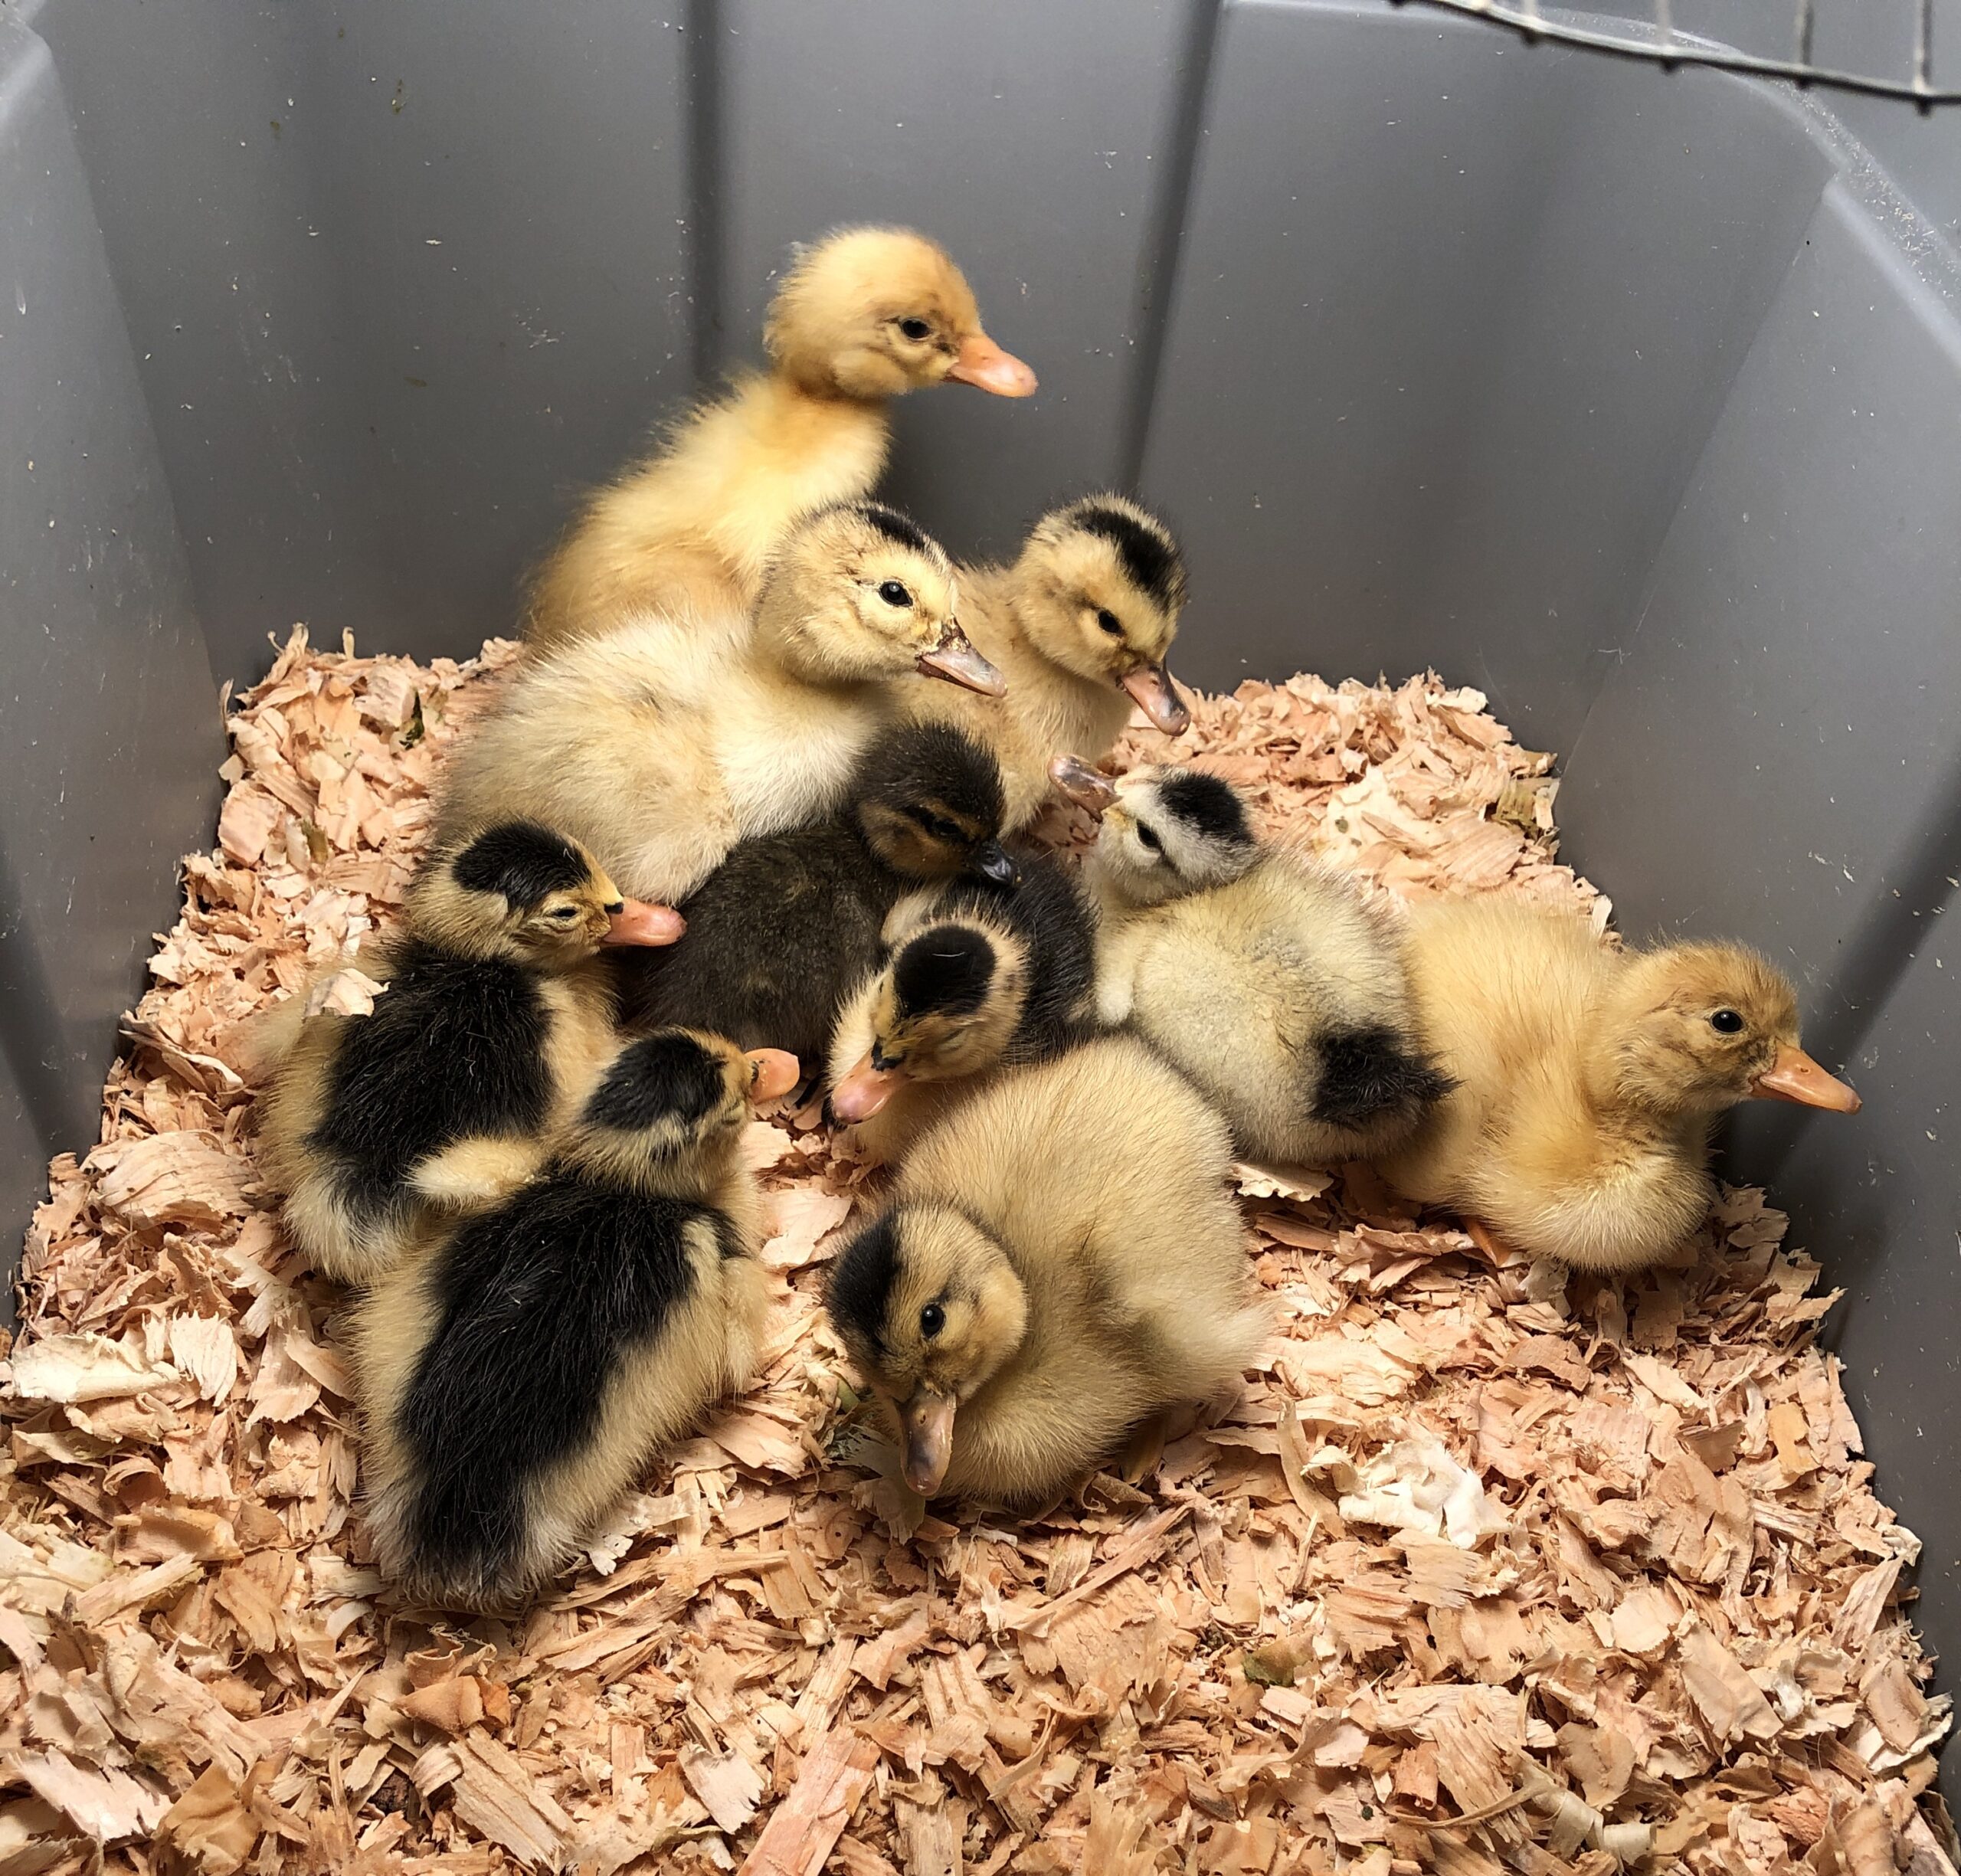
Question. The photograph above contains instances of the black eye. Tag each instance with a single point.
(564, 915)
(1151, 842)
(1726, 1021)
(932, 1319)
(1110, 622)
(916, 329)
(893, 594)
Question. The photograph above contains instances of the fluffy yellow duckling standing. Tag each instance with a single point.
(660, 750)
(1079, 625)
(1588, 1080)
(494, 1005)
(516, 1371)
(863, 315)
(1061, 1258)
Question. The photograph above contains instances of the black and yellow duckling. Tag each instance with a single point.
(1269, 979)
(780, 931)
(991, 980)
(1061, 1258)
(518, 1369)
(495, 1005)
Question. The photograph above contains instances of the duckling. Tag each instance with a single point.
(991, 979)
(863, 316)
(661, 750)
(1061, 1258)
(518, 1368)
(1079, 625)
(1587, 1080)
(1269, 980)
(493, 997)
(784, 927)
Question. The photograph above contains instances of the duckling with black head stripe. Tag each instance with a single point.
(1079, 625)
(780, 931)
(519, 1368)
(978, 980)
(495, 1006)
(1269, 979)
(1061, 1258)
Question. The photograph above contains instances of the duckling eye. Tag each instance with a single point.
(916, 329)
(564, 915)
(1151, 843)
(941, 828)
(1110, 622)
(1726, 1022)
(932, 1319)
(893, 594)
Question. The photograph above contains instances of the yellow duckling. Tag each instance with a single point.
(1062, 1259)
(519, 1369)
(660, 750)
(1079, 625)
(495, 1000)
(863, 315)
(1587, 1079)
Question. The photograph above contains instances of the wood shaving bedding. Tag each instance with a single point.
(1491, 1569)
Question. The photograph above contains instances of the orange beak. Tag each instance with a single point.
(864, 1091)
(772, 1073)
(1152, 690)
(985, 365)
(925, 1422)
(954, 659)
(1794, 1076)
(637, 922)
(1082, 785)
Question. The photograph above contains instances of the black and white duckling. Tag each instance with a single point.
(783, 928)
(1061, 1258)
(1269, 979)
(518, 1368)
(1079, 627)
(661, 749)
(863, 315)
(495, 1005)
(985, 979)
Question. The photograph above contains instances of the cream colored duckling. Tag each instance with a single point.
(517, 1370)
(660, 750)
(494, 1005)
(1062, 1259)
(1079, 625)
(1059, 1261)
(863, 316)
(1587, 1080)
(1269, 980)
(990, 977)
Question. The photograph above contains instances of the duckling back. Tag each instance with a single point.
(1283, 993)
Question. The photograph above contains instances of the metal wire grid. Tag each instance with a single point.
(1667, 48)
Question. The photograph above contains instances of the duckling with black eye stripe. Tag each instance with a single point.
(984, 980)
(1269, 979)
(1061, 1258)
(495, 1005)
(779, 933)
(517, 1371)
(1080, 626)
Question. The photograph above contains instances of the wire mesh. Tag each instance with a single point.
(1667, 47)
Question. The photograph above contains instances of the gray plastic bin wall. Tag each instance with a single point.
(1633, 398)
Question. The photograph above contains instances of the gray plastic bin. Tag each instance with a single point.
(1631, 397)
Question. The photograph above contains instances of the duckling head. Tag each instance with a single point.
(520, 890)
(867, 313)
(1166, 831)
(1100, 584)
(929, 1308)
(673, 1095)
(930, 803)
(944, 1008)
(860, 593)
(1697, 1028)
